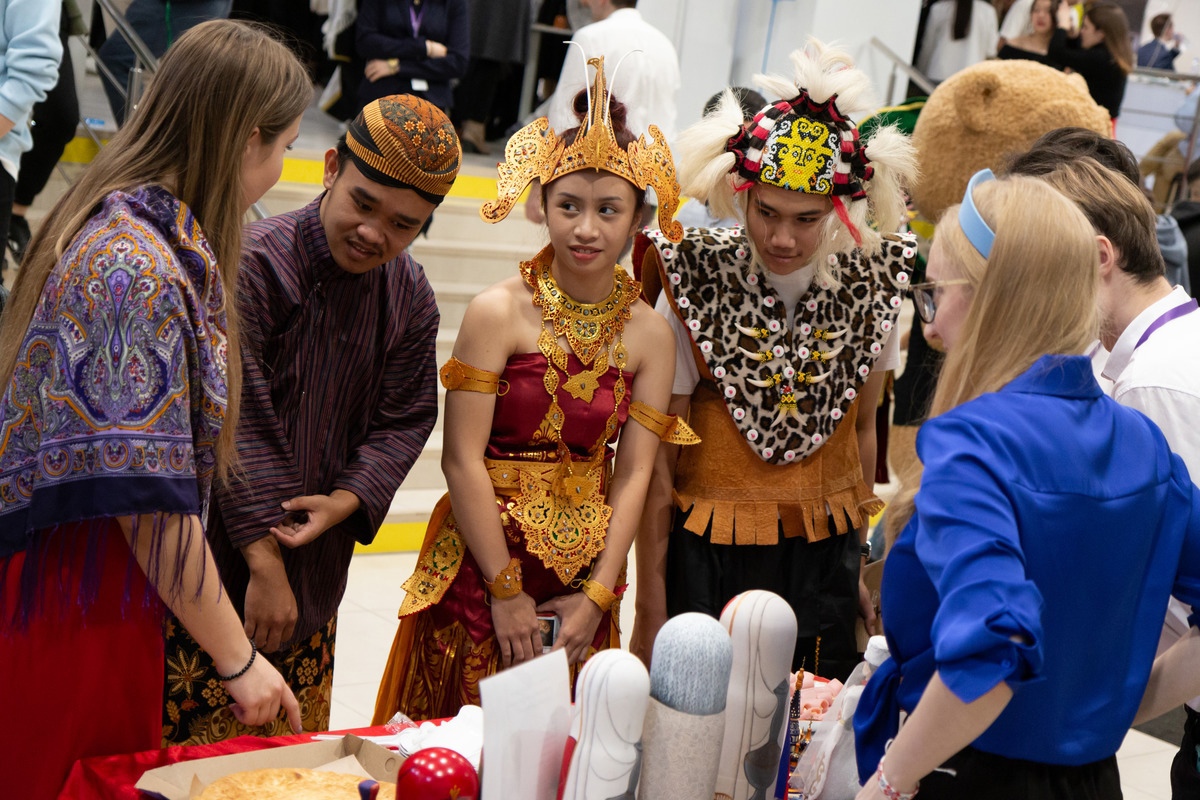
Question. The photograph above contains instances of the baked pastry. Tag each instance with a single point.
(289, 784)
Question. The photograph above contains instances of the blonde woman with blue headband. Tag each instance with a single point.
(1022, 599)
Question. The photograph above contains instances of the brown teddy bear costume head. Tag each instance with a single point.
(977, 117)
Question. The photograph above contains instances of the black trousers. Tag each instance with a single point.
(1185, 778)
(54, 122)
(984, 776)
(818, 579)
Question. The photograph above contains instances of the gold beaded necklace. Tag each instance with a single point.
(565, 519)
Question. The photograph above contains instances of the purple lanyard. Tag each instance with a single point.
(1176, 312)
(415, 19)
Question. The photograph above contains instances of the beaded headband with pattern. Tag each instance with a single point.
(804, 146)
(536, 152)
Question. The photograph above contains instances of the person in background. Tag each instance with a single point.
(693, 213)
(1009, 687)
(119, 409)
(647, 80)
(340, 396)
(958, 33)
(29, 56)
(1161, 51)
(412, 47)
(1187, 213)
(499, 33)
(1099, 51)
(1035, 45)
(1015, 21)
(54, 122)
(158, 23)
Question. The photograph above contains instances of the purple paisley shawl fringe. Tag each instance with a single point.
(50, 553)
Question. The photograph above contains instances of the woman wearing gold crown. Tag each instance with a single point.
(784, 325)
(547, 368)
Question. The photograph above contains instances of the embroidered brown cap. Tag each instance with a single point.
(406, 142)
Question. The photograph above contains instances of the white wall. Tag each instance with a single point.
(727, 42)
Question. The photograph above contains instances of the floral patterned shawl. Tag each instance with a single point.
(119, 389)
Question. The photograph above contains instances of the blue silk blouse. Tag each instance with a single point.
(1050, 528)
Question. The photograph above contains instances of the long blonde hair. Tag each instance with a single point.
(1035, 295)
(219, 82)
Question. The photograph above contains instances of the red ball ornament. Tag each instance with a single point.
(437, 773)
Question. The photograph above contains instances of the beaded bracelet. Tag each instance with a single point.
(507, 583)
(243, 670)
(891, 792)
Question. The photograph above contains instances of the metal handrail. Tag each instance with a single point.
(126, 30)
(914, 74)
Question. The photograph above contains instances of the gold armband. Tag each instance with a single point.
(668, 427)
(457, 375)
(507, 583)
(598, 593)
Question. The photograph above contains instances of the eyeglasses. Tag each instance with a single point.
(923, 296)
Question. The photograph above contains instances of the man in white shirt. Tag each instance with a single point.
(647, 82)
(1151, 330)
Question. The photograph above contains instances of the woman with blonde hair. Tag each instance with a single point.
(1043, 507)
(121, 380)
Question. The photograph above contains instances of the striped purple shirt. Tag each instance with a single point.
(340, 392)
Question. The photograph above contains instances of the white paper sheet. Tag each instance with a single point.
(526, 714)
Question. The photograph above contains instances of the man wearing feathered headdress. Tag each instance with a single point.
(784, 330)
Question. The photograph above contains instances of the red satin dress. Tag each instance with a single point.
(440, 654)
(103, 660)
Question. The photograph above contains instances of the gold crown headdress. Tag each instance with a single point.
(536, 151)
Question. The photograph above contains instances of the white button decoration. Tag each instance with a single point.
(740, 252)
(818, 438)
(789, 373)
(876, 347)
(739, 413)
(909, 252)
(832, 259)
(803, 352)
(778, 350)
(668, 254)
(719, 372)
(811, 305)
(675, 278)
(773, 326)
(684, 302)
(752, 435)
(694, 324)
(836, 413)
(886, 325)
(864, 370)
(752, 279)
(769, 301)
(730, 392)
(902, 277)
(706, 347)
(851, 394)
(767, 452)
(895, 301)
(788, 455)
(806, 329)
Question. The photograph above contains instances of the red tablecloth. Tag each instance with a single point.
(113, 777)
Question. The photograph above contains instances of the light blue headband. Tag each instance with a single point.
(973, 227)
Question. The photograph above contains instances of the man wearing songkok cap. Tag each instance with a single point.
(785, 334)
(340, 395)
